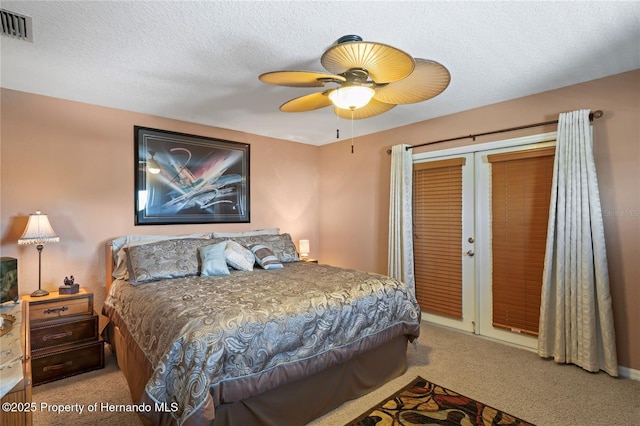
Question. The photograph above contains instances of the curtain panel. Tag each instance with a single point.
(400, 255)
(576, 318)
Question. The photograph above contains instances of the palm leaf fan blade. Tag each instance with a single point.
(383, 63)
(299, 78)
(307, 102)
(428, 79)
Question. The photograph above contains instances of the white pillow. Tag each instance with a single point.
(118, 245)
(213, 263)
(239, 257)
(268, 231)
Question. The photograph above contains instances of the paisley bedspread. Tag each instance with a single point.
(204, 333)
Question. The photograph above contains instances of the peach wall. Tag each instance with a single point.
(75, 162)
(355, 187)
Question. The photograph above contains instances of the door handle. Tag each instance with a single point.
(470, 253)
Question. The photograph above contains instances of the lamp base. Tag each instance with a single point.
(39, 293)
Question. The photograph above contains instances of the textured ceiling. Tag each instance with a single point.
(200, 61)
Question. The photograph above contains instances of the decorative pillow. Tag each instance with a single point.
(265, 257)
(212, 258)
(164, 259)
(268, 231)
(120, 271)
(281, 245)
(238, 257)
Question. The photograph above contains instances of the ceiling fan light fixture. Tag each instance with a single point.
(372, 78)
(351, 97)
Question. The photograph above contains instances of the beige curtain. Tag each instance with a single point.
(576, 319)
(400, 259)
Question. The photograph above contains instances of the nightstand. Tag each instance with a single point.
(64, 336)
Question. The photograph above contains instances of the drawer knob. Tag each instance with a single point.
(58, 366)
(56, 336)
(56, 310)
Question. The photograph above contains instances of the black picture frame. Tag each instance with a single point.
(186, 179)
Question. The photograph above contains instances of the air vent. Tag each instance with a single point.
(16, 25)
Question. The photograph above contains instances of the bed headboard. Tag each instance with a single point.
(108, 251)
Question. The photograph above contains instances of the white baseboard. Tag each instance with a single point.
(629, 373)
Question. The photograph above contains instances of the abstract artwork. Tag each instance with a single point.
(181, 178)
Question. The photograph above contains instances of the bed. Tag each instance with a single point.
(278, 343)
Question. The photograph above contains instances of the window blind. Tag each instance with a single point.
(437, 244)
(521, 191)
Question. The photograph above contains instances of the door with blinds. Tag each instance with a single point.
(443, 232)
(512, 239)
(480, 224)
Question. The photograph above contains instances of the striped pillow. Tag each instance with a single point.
(265, 257)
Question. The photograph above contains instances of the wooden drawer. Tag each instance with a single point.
(66, 361)
(64, 331)
(60, 306)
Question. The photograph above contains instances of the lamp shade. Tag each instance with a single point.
(304, 248)
(351, 97)
(39, 230)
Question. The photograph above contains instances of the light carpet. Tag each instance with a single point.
(513, 379)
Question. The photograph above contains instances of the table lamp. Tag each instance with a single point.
(304, 249)
(40, 232)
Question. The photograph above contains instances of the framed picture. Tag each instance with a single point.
(181, 178)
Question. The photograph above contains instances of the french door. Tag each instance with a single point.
(477, 254)
(443, 240)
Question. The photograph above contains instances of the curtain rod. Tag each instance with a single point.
(592, 116)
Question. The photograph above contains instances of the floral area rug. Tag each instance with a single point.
(425, 403)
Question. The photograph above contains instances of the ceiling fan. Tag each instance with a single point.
(371, 78)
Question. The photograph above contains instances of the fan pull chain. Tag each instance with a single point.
(352, 130)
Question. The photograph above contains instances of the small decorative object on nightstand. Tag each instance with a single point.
(69, 286)
(64, 336)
